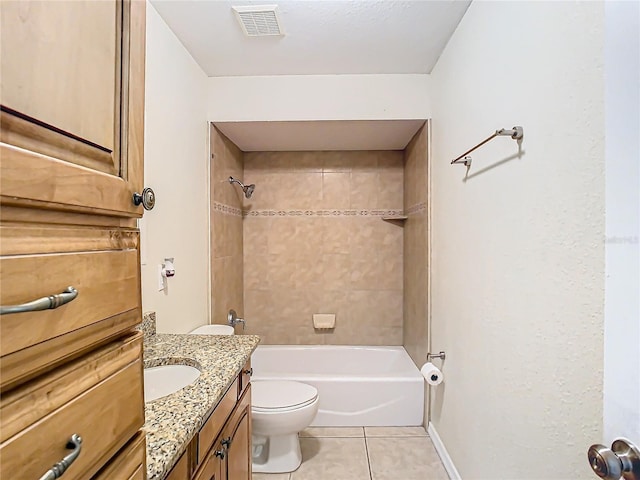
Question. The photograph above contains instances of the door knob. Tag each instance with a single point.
(147, 199)
(622, 460)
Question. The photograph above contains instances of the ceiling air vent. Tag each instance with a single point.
(259, 20)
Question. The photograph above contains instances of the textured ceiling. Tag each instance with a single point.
(322, 37)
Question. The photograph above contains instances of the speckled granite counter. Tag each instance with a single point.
(172, 421)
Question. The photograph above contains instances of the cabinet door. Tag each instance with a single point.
(211, 467)
(238, 461)
(72, 104)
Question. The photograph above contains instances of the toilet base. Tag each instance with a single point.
(277, 454)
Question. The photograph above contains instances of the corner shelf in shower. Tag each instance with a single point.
(399, 218)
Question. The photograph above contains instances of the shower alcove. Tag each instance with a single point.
(337, 223)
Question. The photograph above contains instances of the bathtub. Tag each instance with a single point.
(357, 386)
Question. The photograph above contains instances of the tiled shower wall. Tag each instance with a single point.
(315, 242)
(226, 228)
(416, 259)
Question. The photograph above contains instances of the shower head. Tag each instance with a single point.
(247, 189)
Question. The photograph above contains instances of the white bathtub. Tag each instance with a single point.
(357, 386)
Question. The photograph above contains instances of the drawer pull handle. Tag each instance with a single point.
(75, 444)
(226, 442)
(44, 303)
(217, 453)
(248, 372)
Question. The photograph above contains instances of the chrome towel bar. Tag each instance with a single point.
(517, 133)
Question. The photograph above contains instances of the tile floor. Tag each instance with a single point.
(369, 453)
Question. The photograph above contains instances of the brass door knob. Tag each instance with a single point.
(622, 460)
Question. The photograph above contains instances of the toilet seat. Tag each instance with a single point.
(281, 395)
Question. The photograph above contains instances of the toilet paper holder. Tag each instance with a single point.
(440, 355)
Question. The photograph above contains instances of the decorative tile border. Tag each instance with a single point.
(415, 209)
(322, 213)
(227, 209)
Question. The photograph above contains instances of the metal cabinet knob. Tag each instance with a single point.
(622, 460)
(147, 199)
(248, 372)
(226, 442)
(74, 444)
(219, 453)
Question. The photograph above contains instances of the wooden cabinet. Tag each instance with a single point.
(71, 157)
(222, 448)
(72, 98)
(237, 434)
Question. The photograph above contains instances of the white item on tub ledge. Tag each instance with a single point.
(357, 385)
(213, 329)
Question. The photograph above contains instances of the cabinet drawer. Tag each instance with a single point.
(108, 284)
(244, 378)
(216, 421)
(128, 464)
(98, 397)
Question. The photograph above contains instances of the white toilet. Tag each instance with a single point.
(279, 410)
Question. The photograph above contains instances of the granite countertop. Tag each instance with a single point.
(172, 421)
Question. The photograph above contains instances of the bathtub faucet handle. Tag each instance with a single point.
(233, 319)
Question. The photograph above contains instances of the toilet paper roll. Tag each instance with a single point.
(431, 374)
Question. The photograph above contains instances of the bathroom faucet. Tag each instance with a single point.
(233, 320)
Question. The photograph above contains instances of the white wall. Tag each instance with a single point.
(518, 251)
(176, 137)
(622, 288)
(319, 97)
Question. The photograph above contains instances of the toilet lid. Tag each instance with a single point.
(281, 394)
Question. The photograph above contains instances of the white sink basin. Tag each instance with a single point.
(166, 379)
(213, 330)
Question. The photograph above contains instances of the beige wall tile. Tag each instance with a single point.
(258, 308)
(281, 236)
(362, 161)
(390, 160)
(336, 162)
(336, 190)
(364, 273)
(390, 270)
(309, 272)
(336, 234)
(364, 190)
(255, 232)
(220, 234)
(390, 190)
(416, 261)
(256, 272)
(281, 271)
(308, 237)
(336, 272)
(303, 191)
(364, 240)
(304, 265)
(377, 307)
(226, 230)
